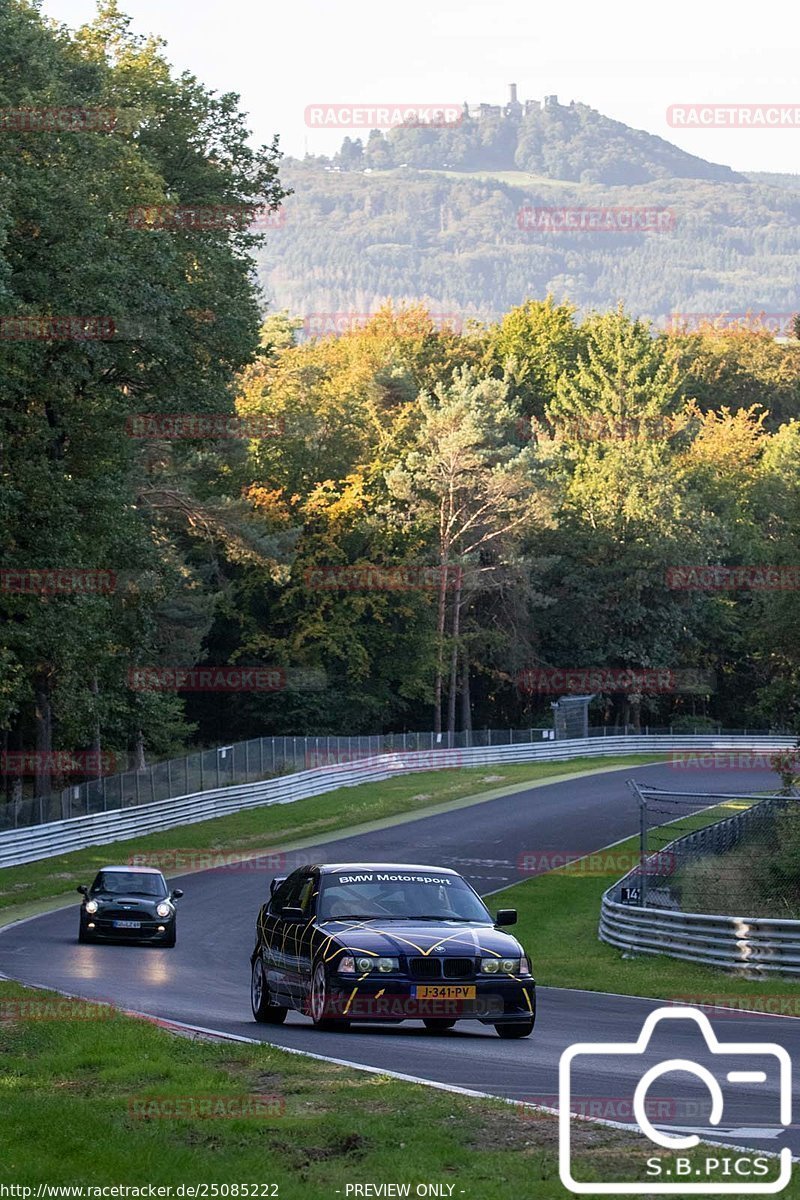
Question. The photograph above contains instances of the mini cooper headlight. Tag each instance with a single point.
(91, 906)
(500, 966)
(163, 909)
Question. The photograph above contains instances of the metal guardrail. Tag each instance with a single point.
(264, 757)
(749, 944)
(18, 846)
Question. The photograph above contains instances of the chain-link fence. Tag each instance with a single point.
(265, 757)
(747, 861)
(241, 762)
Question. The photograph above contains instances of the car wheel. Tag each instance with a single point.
(517, 1029)
(170, 937)
(83, 936)
(319, 1001)
(437, 1024)
(263, 1011)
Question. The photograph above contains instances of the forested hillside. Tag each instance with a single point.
(350, 241)
(396, 523)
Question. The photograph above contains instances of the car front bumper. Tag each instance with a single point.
(149, 930)
(495, 1001)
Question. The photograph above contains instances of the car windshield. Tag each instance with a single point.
(129, 883)
(393, 895)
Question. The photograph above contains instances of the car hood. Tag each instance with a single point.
(147, 903)
(458, 938)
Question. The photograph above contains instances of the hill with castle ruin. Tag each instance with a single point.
(433, 214)
(570, 142)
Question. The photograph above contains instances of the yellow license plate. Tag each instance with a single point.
(444, 992)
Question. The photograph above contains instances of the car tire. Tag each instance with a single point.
(83, 935)
(318, 1000)
(437, 1024)
(264, 1012)
(171, 937)
(516, 1029)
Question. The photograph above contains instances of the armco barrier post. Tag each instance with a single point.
(643, 848)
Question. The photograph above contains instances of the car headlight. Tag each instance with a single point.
(164, 909)
(91, 906)
(500, 966)
(352, 964)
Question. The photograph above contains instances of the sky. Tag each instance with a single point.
(629, 59)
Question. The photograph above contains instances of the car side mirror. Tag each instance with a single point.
(292, 912)
(506, 916)
(83, 889)
(177, 893)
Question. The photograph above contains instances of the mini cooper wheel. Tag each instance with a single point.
(83, 934)
(516, 1029)
(170, 937)
(320, 1000)
(437, 1024)
(263, 1011)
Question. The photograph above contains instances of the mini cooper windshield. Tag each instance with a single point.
(129, 883)
(387, 895)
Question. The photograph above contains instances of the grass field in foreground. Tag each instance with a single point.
(89, 1098)
(262, 829)
(559, 914)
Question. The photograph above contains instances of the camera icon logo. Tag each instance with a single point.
(673, 1140)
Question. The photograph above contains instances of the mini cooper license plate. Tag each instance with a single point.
(127, 924)
(444, 992)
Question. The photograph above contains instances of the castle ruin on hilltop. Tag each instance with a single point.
(513, 108)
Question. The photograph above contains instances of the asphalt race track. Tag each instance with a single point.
(204, 981)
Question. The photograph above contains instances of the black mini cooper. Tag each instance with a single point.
(128, 904)
(388, 943)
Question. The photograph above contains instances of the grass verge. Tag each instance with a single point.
(268, 828)
(558, 919)
(91, 1098)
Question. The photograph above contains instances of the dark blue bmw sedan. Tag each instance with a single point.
(383, 942)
